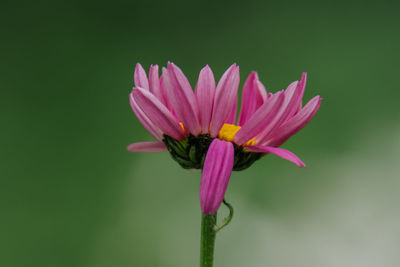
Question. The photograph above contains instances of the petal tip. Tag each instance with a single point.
(206, 68)
(254, 74)
(301, 164)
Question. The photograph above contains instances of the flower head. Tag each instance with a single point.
(199, 128)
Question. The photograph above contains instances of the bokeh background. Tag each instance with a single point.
(71, 195)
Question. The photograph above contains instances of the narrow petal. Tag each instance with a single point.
(140, 77)
(280, 152)
(272, 123)
(183, 100)
(147, 147)
(226, 92)
(253, 96)
(260, 119)
(247, 98)
(164, 84)
(159, 115)
(144, 120)
(217, 171)
(232, 115)
(293, 96)
(205, 92)
(260, 93)
(154, 82)
(299, 93)
(296, 123)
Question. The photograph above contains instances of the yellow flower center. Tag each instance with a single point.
(228, 132)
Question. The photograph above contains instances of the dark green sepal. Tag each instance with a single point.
(176, 147)
(244, 159)
(191, 152)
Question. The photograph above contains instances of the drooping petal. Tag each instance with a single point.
(154, 82)
(144, 120)
(226, 92)
(296, 123)
(140, 77)
(260, 119)
(253, 96)
(205, 92)
(183, 100)
(280, 152)
(157, 113)
(147, 147)
(217, 171)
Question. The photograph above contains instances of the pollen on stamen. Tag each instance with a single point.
(183, 128)
(228, 132)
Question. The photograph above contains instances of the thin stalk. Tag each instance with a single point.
(208, 233)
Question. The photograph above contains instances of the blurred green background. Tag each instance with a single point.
(71, 195)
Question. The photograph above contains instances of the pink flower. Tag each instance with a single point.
(198, 128)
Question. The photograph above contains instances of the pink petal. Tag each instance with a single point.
(159, 115)
(164, 84)
(260, 93)
(154, 82)
(144, 120)
(205, 92)
(217, 171)
(296, 123)
(226, 93)
(147, 147)
(183, 100)
(253, 96)
(280, 152)
(292, 97)
(272, 123)
(299, 93)
(140, 77)
(232, 115)
(260, 120)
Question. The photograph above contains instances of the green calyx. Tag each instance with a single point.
(191, 152)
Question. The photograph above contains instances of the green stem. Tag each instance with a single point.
(208, 233)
